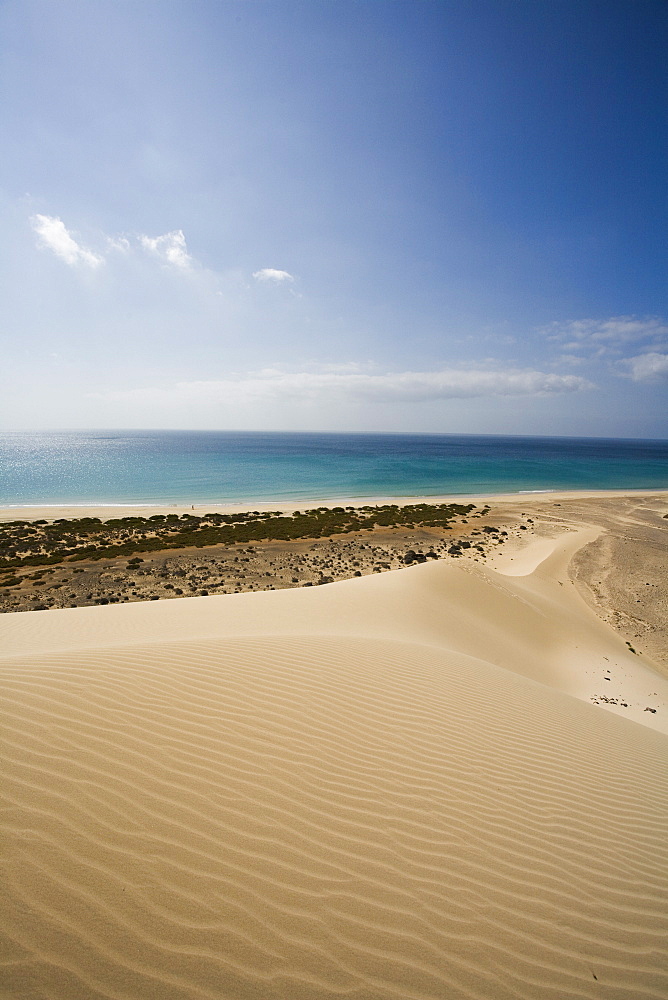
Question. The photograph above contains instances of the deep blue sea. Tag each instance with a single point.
(195, 467)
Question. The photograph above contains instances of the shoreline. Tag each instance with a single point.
(104, 510)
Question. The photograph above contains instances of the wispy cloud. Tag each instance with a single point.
(121, 243)
(272, 274)
(650, 367)
(607, 337)
(399, 387)
(56, 237)
(170, 248)
(570, 360)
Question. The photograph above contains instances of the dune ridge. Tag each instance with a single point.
(348, 791)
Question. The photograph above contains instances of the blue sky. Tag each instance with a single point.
(406, 216)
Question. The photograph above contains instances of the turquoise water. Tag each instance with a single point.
(163, 467)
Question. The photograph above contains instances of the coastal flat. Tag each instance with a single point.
(406, 785)
(621, 572)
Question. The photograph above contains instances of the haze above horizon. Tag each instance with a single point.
(353, 216)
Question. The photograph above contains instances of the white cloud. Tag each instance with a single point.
(421, 386)
(271, 274)
(335, 367)
(120, 243)
(170, 248)
(53, 235)
(401, 387)
(606, 336)
(651, 367)
(570, 359)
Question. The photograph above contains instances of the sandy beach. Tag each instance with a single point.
(53, 511)
(378, 779)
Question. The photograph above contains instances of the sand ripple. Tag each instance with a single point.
(316, 817)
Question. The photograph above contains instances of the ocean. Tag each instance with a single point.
(196, 467)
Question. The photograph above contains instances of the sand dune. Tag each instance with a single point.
(391, 787)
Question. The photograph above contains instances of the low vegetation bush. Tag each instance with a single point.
(42, 543)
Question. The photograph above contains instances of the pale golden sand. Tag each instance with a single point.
(389, 787)
(51, 512)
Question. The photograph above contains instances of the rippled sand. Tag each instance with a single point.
(398, 786)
